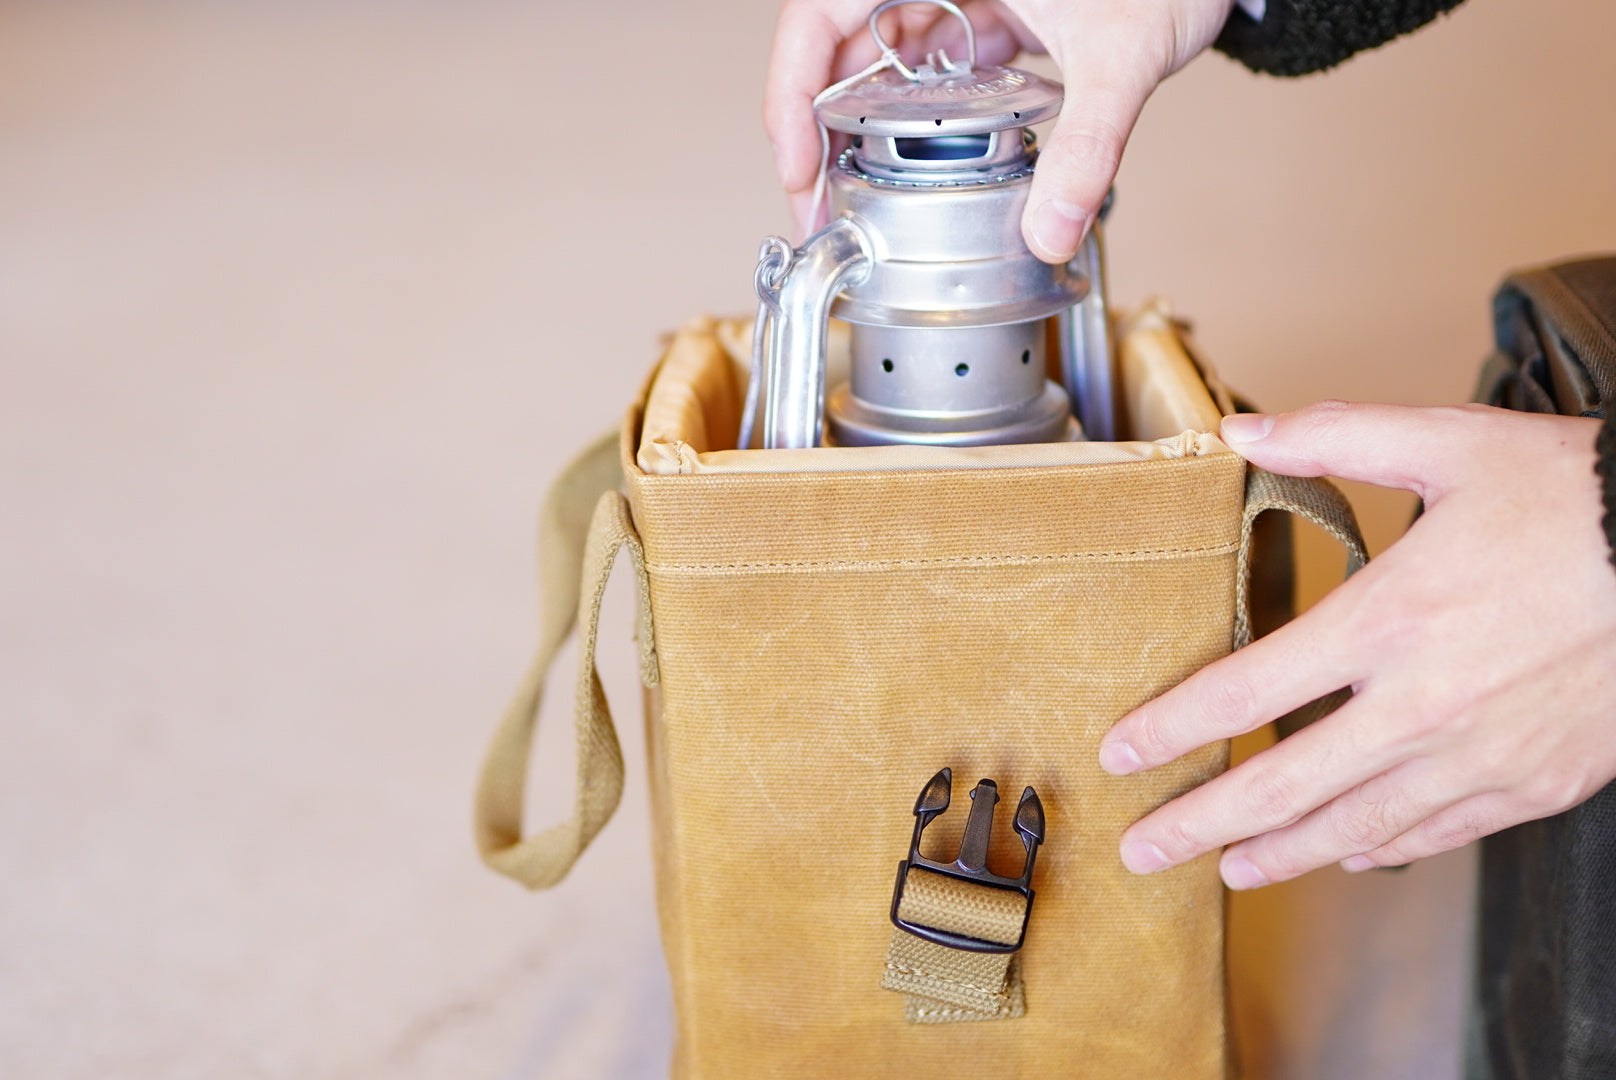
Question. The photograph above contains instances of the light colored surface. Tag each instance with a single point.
(300, 304)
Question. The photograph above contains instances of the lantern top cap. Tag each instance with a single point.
(962, 101)
(943, 96)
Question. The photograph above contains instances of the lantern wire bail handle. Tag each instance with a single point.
(889, 59)
(891, 55)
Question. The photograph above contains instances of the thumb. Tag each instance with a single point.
(1416, 449)
(1106, 87)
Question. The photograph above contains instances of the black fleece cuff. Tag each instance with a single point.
(1605, 466)
(1296, 37)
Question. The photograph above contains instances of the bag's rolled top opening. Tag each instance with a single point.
(692, 411)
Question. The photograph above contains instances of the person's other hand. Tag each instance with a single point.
(1111, 53)
(1481, 646)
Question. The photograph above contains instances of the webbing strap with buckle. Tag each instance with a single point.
(957, 926)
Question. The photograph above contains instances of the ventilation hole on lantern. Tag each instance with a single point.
(1016, 115)
(962, 370)
(861, 119)
(1026, 356)
(886, 365)
(939, 123)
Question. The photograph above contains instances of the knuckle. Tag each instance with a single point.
(1492, 764)
(1432, 713)
(1229, 703)
(1366, 607)
(1178, 33)
(803, 18)
(1550, 792)
(1474, 413)
(1310, 431)
(1138, 49)
(1390, 854)
(1091, 150)
(1361, 824)
(1321, 417)
(1454, 831)
(1281, 863)
(1377, 611)
(1437, 708)
(1179, 841)
(1270, 797)
(1149, 735)
(1472, 418)
(1393, 611)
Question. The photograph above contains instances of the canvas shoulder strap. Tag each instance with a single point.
(1313, 500)
(584, 524)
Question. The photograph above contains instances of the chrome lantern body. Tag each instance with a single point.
(951, 314)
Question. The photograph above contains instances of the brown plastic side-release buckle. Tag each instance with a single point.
(972, 863)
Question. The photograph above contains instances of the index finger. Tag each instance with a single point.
(1313, 655)
(802, 59)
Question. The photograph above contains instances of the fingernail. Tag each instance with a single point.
(1246, 427)
(1357, 864)
(1240, 873)
(1142, 857)
(1058, 226)
(1119, 759)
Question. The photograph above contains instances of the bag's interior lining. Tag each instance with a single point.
(693, 411)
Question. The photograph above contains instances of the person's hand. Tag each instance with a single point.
(1111, 53)
(1481, 646)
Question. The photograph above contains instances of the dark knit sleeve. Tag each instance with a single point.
(1296, 37)
(1606, 467)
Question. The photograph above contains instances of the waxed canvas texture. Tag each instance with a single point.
(827, 642)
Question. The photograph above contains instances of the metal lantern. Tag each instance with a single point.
(950, 312)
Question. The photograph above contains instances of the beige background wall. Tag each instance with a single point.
(300, 306)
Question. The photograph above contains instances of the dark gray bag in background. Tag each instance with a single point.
(1545, 1006)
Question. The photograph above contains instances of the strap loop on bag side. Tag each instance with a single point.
(575, 561)
(1313, 499)
(1310, 498)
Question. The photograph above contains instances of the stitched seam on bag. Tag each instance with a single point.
(1000, 1010)
(805, 565)
(898, 969)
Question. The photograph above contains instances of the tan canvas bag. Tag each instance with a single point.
(822, 631)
